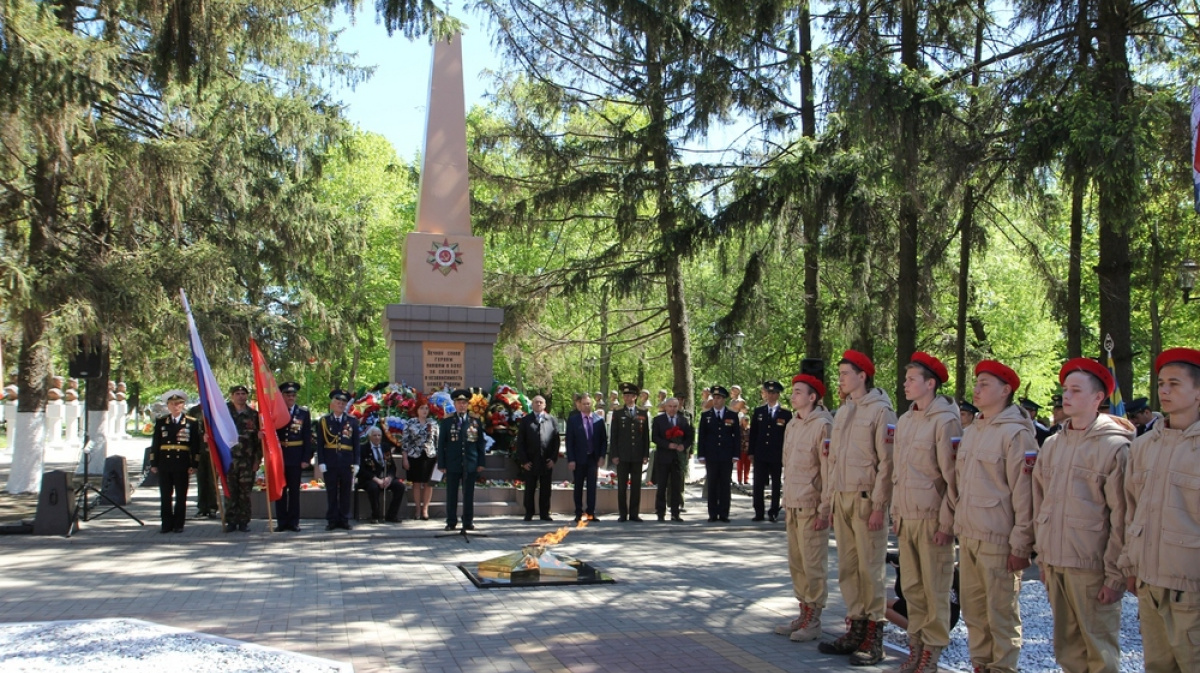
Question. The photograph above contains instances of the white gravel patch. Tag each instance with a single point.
(1037, 628)
(135, 646)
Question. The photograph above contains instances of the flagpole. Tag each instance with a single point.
(266, 480)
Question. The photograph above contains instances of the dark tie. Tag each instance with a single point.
(587, 431)
(378, 455)
(672, 421)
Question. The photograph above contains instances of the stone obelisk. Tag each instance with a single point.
(440, 334)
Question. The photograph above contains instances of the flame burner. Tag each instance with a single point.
(534, 565)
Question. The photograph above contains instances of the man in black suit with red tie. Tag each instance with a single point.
(672, 437)
(719, 443)
(537, 451)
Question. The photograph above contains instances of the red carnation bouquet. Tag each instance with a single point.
(675, 432)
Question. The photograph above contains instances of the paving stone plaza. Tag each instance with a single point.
(689, 596)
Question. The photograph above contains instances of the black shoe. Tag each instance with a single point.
(712, 519)
(636, 518)
(202, 515)
(547, 517)
(724, 519)
(425, 518)
(773, 517)
(620, 519)
(164, 530)
(662, 517)
(330, 526)
(346, 525)
(760, 518)
(592, 517)
(244, 527)
(468, 526)
(529, 517)
(178, 529)
(451, 526)
(210, 515)
(392, 519)
(230, 527)
(676, 517)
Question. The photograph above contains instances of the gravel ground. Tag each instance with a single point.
(1037, 650)
(133, 646)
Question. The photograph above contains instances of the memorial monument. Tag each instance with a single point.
(440, 334)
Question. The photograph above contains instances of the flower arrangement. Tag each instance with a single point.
(675, 432)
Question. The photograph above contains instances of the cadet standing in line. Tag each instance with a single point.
(337, 437)
(994, 518)
(1079, 521)
(296, 440)
(767, 427)
(629, 450)
(1162, 519)
(245, 458)
(860, 493)
(924, 496)
(460, 456)
(718, 443)
(805, 453)
(174, 453)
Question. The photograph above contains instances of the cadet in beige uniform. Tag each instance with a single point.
(1162, 519)
(993, 520)
(860, 492)
(923, 500)
(1079, 521)
(804, 469)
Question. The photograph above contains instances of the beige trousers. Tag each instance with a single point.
(808, 556)
(926, 575)
(1170, 623)
(988, 595)
(1085, 632)
(861, 556)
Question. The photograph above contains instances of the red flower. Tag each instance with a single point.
(675, 432)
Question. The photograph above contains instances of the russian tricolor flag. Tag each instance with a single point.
(220, 430)
(1196, 146)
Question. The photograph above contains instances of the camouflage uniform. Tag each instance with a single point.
(246, 456)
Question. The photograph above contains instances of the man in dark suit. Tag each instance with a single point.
(767, 426)
(629, 447)
(537, 451)
(378, 476)
(460, 456)
(337, 455)
(719, 443)
(672, 436)
(296, 440)
(174, 454)
(587, 444)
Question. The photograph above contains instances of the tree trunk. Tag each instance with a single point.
(910, 214)
(659, 141)
(1116, 185)
(96, 406)
(605, 351)
(1079, 180)
(966, 224)
(810, 214)
(27, 436)
(1155, 317)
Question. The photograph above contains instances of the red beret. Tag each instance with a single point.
(812, 382)
(1000, 371)
(1088, 366)
(933, 364)
(859, 360)
(1185, 355)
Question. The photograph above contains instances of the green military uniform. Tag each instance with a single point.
(245, 459)
(206, 487)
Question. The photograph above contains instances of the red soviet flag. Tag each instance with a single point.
(275, 415)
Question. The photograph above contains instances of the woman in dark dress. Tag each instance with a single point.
(419, 444)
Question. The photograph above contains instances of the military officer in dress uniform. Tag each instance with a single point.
(460, 456)
(767, 427)
(174, 454)
(629, 450)
(337, 438)
(244, 460)
(718, 443)
(296, 440)
(1138, 411)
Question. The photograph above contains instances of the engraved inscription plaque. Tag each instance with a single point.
(443, 365)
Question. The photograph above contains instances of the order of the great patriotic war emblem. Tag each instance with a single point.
(444, 257)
